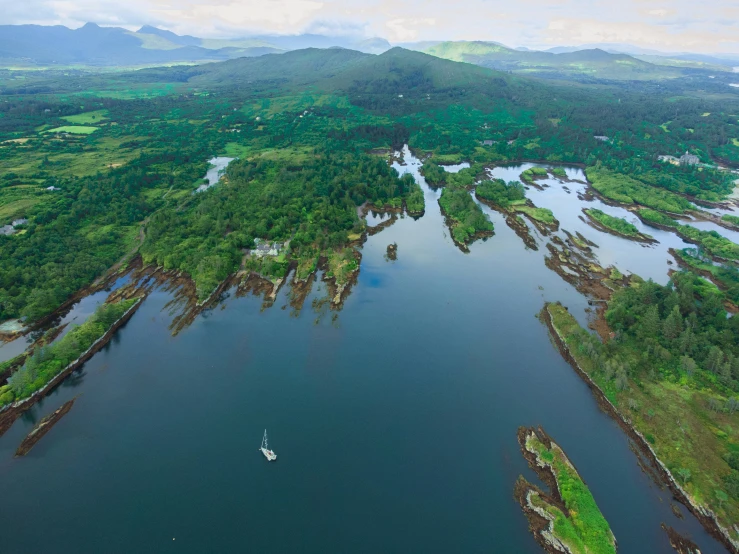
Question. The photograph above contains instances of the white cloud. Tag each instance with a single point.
(402, 29)
(274, 15)
(666, 24)
(680, 38)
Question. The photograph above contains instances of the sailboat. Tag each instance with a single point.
(271, 456)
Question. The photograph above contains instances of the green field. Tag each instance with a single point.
(73, 129)
(88, 117)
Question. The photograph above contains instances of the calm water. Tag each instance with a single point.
(394, 426)
(649, 261)
(77, 314)
(218, 166)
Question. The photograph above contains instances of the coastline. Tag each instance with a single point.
(11, 412)
(595, 224)
(706, 517)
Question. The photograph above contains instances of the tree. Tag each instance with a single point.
(721, 496)
(673, 324)
(650, 323)
(688, 365)
(683, 474)
(687, 342)
(714, 359)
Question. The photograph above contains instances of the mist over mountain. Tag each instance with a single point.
(37, 45)
(95, 46)
(652, 55)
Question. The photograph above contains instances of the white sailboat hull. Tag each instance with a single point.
(271, 456)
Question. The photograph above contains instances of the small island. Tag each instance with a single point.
(510, 198)
(43, 427)
(533, 173)
(465, 218)
(717, 245)
(567, 520)
(615, 226)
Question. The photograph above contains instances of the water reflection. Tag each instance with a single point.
(454, 168)
(568, 198)
(218, 167)
(436, 345)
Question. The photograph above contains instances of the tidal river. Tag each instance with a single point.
(394, 424)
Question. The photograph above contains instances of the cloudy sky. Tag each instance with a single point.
(674, 25)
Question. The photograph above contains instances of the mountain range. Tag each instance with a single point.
(37, 45)
(96, 46)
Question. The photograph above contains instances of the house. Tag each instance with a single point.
(488, 142)
(52, 188)
(601, 138)
(7, 230)
(689, 159)
(19, 222)
(670, 159)
(264, 248)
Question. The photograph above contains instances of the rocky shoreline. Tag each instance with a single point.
(682, 235)
(682, 264)
(541, 523)
(11, 412)
(706, 517)
(512, 220)
(681, 544)
(43, 427)
(463, 246)
(595, 224)
(538, 505)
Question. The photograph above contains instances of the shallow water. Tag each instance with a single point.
(455, 168)
(649, 261)
(711, 226)
(11, 349)
(76, 315)
(218, 167)
(394, 426)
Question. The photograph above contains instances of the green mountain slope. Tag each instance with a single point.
(297, 67)
(593, 63)
(413, 70)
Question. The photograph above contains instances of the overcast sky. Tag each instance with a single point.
(676, 25)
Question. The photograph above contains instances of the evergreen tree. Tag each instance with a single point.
(673, 324)
(714, 359)
(650, 323)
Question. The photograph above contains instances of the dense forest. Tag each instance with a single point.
(123, 149)
(312, 203)
(672, 367)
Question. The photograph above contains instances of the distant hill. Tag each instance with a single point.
(721, 62)
(295, 67)
(408, 70)
(395, 82)
(169, 36)
(92, 45)
(584, 64)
